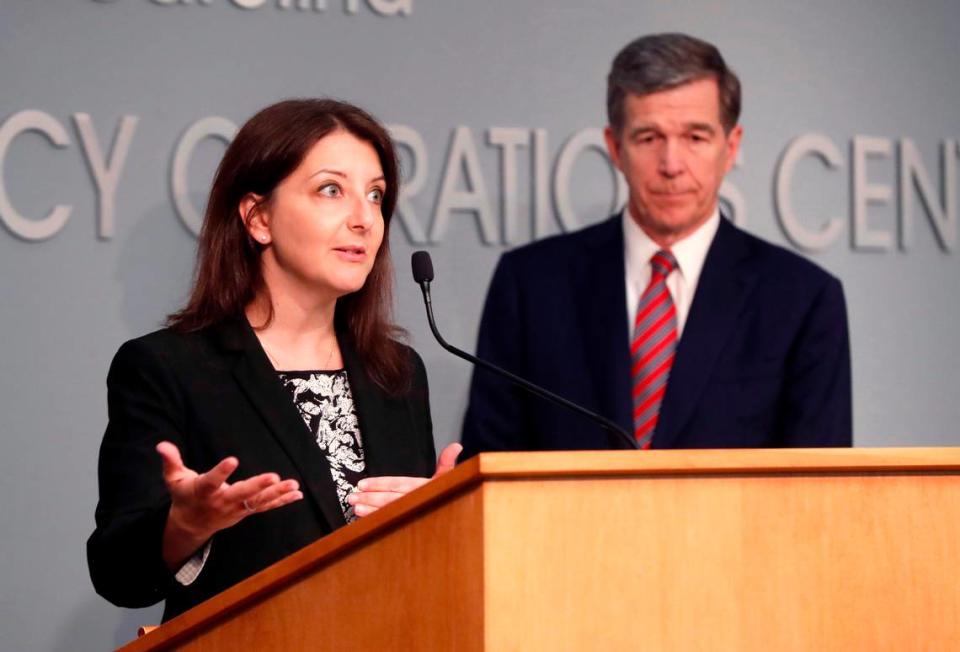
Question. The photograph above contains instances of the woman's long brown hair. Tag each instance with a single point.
(266, 150)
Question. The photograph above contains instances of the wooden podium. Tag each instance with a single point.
(852, 549)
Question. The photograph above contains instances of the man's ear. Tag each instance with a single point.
(255, 218)
(613, 146)
(733, 147)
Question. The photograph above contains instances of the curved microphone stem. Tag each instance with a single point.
(622, 434)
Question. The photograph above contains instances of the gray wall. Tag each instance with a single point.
(872, 86)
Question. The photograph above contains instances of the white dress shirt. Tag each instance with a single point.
(689, 252)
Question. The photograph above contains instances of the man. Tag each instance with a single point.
(666, 318)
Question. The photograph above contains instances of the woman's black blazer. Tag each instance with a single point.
(214, 393)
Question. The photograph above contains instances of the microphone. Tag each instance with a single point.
(423, 275)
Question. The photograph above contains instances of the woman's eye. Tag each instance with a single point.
(330, 190)
(375, 195)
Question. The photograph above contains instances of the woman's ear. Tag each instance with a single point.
(255, 219)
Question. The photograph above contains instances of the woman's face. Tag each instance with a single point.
(322, 227)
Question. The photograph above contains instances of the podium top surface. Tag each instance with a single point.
(715, 462)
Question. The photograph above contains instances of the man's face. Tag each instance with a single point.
(674, 154)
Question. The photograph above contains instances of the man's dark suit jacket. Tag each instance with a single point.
(763, 360)
(214, 393)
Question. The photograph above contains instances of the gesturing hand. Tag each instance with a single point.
(204, 503)
(374, 493)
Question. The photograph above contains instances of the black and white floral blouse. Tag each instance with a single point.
(325, 402)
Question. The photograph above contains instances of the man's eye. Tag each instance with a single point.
(375, 195)
(329, 190)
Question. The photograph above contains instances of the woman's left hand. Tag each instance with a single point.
(374, 493)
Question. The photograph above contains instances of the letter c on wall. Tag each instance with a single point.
(20, 226)
(212, 127)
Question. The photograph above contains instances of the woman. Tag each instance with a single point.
(282, 375)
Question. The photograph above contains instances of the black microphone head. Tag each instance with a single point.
(422, 267)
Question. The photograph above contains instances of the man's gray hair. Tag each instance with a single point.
(663, 61)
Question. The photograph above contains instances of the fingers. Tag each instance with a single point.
(374, 493)
(172, 462)
(448, 458)
(203, 485)
(280, 501)
(364, 510)
(209, 482)
(262, 493)
(390, 483)
(205, 504)
(367, 502)
(373, 498)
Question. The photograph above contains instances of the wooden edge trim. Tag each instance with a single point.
(719, 462)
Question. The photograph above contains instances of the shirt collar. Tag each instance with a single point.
(690, 252)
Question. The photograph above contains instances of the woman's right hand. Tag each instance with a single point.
(205, 503)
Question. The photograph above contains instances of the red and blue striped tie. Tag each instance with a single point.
(652, 348)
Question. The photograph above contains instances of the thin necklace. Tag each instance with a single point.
(276, 365)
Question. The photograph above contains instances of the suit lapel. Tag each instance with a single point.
(258, 380)
(603, 319)
(724, 286)
(380, 419)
